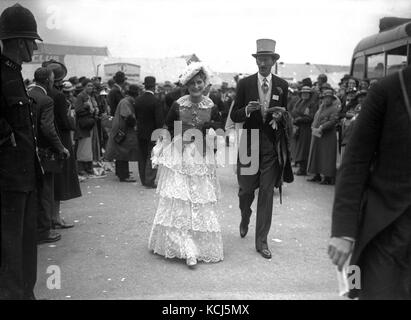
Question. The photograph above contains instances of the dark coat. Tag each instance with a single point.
(323, 151)
(66, 183)
(124, 120)
(43, 106)
(303, 116)
(247, 91)
(20, 168)
(114, 97)
(374, 181)
(149, 114)
(83, 109)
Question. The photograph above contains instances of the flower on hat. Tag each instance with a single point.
(193, 69)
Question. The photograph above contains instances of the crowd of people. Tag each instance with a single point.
(323, 119)
(55, 132)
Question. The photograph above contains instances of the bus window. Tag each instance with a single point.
(358, 68)
(396, 59)
(375, 66)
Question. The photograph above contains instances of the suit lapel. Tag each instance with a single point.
(407, 82)
(275, 100)
(254, 88)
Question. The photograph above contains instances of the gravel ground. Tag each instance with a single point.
(105, 255)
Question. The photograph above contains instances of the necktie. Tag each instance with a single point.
(265, 86)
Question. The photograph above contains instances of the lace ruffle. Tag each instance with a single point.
(198, 189)
(189, 161)
(186, 215)
(179, 243)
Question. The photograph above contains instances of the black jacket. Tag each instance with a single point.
(20, 168)
(247, 90)
(114, 97)
(149, 114)
(43, 107)
(374, 181)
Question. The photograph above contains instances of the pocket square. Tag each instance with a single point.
(275, 97)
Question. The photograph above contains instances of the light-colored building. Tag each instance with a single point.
(79, 60)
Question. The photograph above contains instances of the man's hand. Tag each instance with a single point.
(251, 107)
(66, 154)
(339, 249)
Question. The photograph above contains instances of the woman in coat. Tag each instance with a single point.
(86, 135)
(122, 144)
(323, 150)
(66, 183)
(303, 115)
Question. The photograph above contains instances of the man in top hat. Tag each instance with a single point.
(260, 103)
(149, 114)
(117, 92)
(20, 169)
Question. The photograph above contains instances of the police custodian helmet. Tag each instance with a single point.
(18, 22)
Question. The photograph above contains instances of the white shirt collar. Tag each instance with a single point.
(261, 78)
(149, 91)
(38, 86)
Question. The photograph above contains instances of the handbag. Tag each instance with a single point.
(120, 136)
(86, 122)
(50, 161)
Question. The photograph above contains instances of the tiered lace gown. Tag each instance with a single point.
(186, 224)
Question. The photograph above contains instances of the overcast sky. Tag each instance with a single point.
(221, 32)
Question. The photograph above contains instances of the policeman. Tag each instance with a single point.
(20, 169)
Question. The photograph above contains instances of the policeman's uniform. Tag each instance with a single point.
(20, 169)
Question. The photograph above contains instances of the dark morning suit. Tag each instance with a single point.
(373, 192)
(274, 160)
(150, 116)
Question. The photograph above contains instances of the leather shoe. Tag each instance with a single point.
(51, 237)
(62, 225)
(243, 229)
(128, 180)
(151, 186)
(266, 253)
(327, 181)
(316, 178)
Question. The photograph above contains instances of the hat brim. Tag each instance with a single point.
(276, 56)
(21, 36)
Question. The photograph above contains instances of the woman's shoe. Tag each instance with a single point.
(316, 178)
(191, 262)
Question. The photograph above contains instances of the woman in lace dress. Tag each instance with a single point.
(186, 224)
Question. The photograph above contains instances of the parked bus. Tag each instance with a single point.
(383, 53)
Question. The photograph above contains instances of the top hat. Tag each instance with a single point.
(59, 69)
(120, 76)
(149, 81)
(266, 47)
